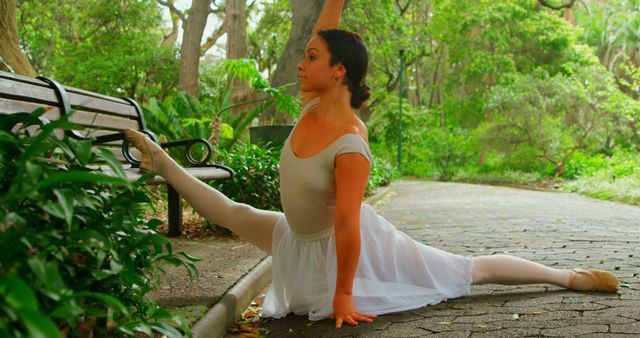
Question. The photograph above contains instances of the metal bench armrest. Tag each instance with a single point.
(187, 143)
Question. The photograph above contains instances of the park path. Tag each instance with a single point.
(563, 230)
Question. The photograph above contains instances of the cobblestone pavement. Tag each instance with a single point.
(562, 230)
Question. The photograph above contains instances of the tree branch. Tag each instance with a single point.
(545, 3)
(173, 9)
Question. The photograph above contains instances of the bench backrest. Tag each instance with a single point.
(102, 115)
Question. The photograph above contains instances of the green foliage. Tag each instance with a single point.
(615, 178)
(266, 42)
(580, 164)
(381, 174)
(449, 150)
(257, 178)
(76, 253)
(181, 116)
(488, 43)
(111, 47)
(554, 116)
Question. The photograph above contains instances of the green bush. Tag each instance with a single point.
(382, 172)
(77, 258)
(449, 150)
(257, 178)
(580, 164)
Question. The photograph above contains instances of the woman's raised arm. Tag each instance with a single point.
(329, 17)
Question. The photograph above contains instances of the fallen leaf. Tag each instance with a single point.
(248, 335)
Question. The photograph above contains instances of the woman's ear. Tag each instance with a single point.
(340, 71)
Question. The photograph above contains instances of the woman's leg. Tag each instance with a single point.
(252, 224)
(506, 269)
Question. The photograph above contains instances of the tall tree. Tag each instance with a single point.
(192, 47)
(10, 50)
(236, 22)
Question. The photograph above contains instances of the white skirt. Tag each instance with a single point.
(394, 273)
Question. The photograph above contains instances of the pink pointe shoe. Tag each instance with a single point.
(593, 280)
(142, 142)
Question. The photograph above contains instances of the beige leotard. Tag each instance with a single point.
(307, 185)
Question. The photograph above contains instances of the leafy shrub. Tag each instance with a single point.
(382, 172)
(76, 255)
(257, 178)
(449, 150)
(579, 164)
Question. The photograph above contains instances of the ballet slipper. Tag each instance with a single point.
(142, 142)
(596, 280)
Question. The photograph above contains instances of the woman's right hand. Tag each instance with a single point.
(345, 311)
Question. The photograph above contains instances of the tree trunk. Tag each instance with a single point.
(10, 50)
(236, 21)
(304, 16)
(190, 49)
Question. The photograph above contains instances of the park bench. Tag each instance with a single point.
(104, 119)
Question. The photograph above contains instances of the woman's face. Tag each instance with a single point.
(315, 73)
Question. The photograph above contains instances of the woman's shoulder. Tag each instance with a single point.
(357, 127)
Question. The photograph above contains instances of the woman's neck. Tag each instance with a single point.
(335, 104)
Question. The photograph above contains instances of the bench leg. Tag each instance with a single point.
(175, 212)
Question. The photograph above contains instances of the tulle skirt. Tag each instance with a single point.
(394, 273)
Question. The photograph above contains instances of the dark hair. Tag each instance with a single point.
(349, 49)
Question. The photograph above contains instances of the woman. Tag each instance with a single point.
(333, 256)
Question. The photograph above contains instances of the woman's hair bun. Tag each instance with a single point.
(360, 94)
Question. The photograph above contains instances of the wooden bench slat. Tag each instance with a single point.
(69, 89)
(201, 173)
(40, 92)
(103, 121)
(13, 106)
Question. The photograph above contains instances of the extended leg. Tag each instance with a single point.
(252, 224)
(506, 269)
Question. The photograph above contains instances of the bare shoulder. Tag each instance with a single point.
(357, 127)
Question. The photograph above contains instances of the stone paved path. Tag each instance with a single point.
(557, 229)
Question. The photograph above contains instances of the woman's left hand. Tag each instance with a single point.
(345, 311)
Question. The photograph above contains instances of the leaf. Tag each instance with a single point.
(65, 198)
(38, 325)
(18, 294)
(77, 176)
(113, 163)
(109, 300)
(82, 149)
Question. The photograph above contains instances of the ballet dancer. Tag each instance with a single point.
(332, 255)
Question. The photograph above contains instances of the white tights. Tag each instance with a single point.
(256, 226)
(252, 224)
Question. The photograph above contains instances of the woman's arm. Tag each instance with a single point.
(329, 18)
(351, 174)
